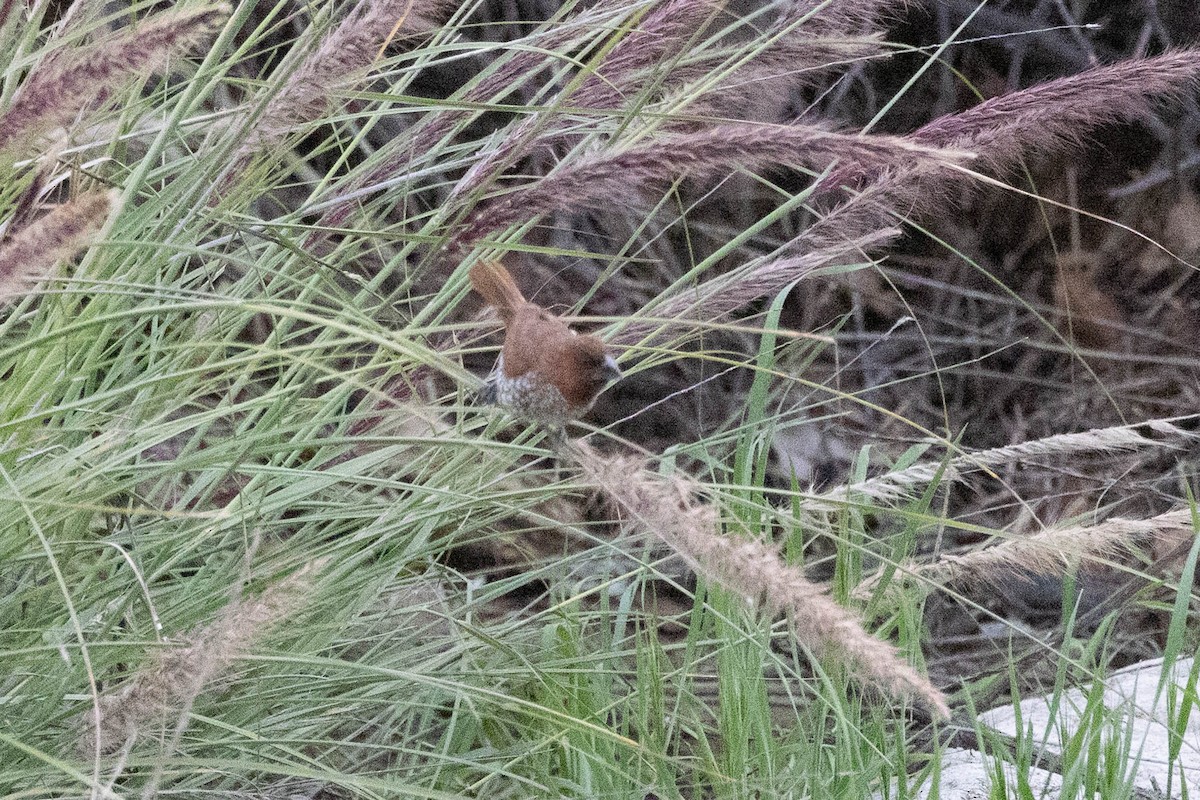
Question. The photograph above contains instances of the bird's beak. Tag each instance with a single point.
(610, 370)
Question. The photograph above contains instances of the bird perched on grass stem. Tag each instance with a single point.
(546, 372)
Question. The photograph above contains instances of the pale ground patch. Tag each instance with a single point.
(1137, 709)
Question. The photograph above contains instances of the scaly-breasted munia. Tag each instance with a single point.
(546, 372)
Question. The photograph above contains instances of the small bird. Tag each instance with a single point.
(546, 372)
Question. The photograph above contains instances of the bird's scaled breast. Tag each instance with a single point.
(529, 396)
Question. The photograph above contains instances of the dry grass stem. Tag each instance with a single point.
(29, 253)
(1049, 552)
(752, 569)
(896, 485)
(70, 82)
(175, 676)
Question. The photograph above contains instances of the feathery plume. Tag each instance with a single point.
(175, 676)
(784, 63)
(30, 252)
(343, 55)
(1055, 114)
(837, 17)
(720, 297)
(1162, 433)
(1049, 551)
(510, 76)
(752, 569)
(719, 149)
(70, 82)
(657, 37)
(803, 40)
(654, 39)
(662, 33)
(1042, 119)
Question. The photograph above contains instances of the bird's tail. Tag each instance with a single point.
(497, 286)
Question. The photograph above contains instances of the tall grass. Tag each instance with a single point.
(260, 539)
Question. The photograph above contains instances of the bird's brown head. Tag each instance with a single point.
(587, 370)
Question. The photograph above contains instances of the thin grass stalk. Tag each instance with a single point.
(719, 298)
(1121, 438)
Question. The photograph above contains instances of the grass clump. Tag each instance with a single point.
(261, 538)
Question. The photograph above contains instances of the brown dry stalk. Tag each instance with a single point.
(1048, 552)
(70, 82)
(175, 676)
(31, 252)
(750, 568)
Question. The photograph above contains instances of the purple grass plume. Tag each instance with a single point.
(28, 254)
(717, 150)
(344, 55)
(175, 675)
(1057, 114)
(62, 87)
